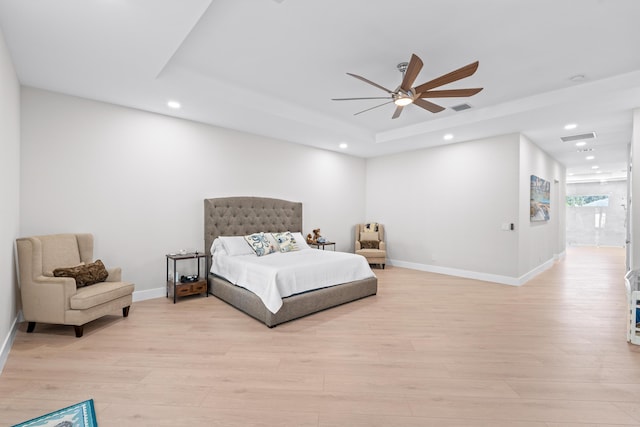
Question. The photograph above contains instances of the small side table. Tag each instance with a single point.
(180, 289)
(322, 245)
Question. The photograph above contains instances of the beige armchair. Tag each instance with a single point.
(370, 243)
(50, 299)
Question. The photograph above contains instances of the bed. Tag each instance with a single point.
(239, 216)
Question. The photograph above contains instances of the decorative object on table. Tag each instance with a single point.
(314, 238)
(79, 415)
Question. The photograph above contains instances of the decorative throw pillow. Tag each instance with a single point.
(261, 244)
(371, 227)
(84, 275)
(50, 272)
(286, 241)
(369, 244)
(368, 235)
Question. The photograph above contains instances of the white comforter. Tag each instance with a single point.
(278, 275)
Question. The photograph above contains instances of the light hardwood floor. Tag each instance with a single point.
(428, 350)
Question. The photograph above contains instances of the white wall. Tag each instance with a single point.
(540, 242)
(635, 194)
(9, 196)
(137, 180)
(444, 208)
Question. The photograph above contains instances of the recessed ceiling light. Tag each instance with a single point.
(570, 126)
(595, 167)
(590, 157)
(571, 174)
(173, 104)
(448, 137)
(343, 145)
(598, 171)
(581, 143)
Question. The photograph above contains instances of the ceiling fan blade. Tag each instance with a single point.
(369, 109)
(414, 67)
(370, 82)
(396, 113)
(355, 99)
(453, 76)
(429, 106)
(451, 93)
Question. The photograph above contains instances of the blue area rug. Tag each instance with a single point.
(79, 415)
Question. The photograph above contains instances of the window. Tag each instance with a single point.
(587, 201)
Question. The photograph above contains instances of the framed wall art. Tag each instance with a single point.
(540, 199)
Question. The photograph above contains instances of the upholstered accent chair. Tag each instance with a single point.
(58, 300)
(370, 243)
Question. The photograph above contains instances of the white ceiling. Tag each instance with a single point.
(271, 67)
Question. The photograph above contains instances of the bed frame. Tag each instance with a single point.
(239, 216)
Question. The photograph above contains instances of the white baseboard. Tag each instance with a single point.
(476, 275)
(557, 257)
(149, 294)
(8, 342)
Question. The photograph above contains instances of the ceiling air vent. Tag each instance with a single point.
(461, 107)
(589, 135)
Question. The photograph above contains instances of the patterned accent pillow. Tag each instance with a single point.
(261, 244)
(50, 272)
(369, 244)
(286, 241)
(371, 227)
(84, 275)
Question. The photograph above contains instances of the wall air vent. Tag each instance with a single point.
(461, 107)
(589, 135)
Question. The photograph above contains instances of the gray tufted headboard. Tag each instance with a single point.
(239, 216)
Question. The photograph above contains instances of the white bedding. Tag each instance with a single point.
(279, 275)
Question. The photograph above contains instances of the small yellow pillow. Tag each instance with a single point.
(369, 235)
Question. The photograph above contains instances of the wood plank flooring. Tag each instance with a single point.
(428, 350)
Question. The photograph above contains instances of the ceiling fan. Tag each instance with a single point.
(405, 94)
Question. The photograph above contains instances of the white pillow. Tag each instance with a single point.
(261, 243)
(301, 241)
(236, 245)
(286, 242)
(218, 248)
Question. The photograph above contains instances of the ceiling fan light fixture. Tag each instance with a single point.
(403, 101)
(407, 93)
